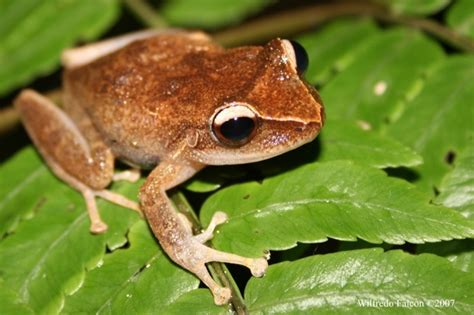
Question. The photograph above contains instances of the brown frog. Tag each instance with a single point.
(173, 101)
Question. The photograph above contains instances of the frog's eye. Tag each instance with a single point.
(234, 125)
(297, 54)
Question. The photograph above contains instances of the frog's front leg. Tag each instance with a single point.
(87, 166)
(175, 235)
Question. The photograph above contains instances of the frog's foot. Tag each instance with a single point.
(131, 175)
(201, 254)
(195, 258)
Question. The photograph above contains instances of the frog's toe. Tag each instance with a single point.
(221, 295)
(98, 227)
(259, 267)
(218, 218)
(131, 175)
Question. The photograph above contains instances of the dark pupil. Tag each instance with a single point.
(237, 129)
(301, 57)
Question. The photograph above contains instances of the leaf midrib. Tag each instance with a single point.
(287, 206)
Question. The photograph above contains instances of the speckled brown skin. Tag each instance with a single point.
(151, 104)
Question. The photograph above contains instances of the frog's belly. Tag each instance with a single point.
(136, 153)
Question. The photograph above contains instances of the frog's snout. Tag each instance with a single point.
(307, 132)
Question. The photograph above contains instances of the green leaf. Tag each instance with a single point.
(464, 261)
(57, 241)
(438, 121)
(340, 200)
(459, 252)
(457, 187)
(11, 303)
(33, 34)
(344, 140)
(325, 52)
(19, 199)
(197, 302)
(379, 75)
(206, 181)
(209, 13)
(66, 265)
(415, 7)
(125, 279)
(202, 185)
(460, 17)
(344, 283)
(213, 177)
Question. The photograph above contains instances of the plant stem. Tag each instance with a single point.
(443, 33)
(295, 21)
(146, 13)
(219, 270)
(9, 118)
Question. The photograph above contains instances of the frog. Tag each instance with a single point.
(171, 102)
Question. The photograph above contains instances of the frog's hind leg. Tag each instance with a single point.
(88, 166)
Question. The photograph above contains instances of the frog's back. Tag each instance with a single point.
(127, 94)
(134, 94)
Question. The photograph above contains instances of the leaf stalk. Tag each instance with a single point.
(146, 13)
(291, 22)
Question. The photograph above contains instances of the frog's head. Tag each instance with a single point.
(276, 112)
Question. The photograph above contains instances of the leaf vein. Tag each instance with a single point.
(125, 283)
(34, 272)
(450, 102)
(24, 183)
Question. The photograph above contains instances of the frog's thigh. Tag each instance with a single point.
(88, 167)
(76, 57)
(62, 144)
